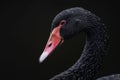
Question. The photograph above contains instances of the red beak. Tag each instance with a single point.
(54, 40)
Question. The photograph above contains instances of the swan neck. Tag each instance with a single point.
(93, 53)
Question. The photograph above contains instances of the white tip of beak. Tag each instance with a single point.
(43, 56)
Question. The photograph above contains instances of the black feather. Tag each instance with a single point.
(79, 19)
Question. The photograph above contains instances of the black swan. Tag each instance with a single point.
(70, 22)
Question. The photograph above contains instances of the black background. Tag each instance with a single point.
(27, 26)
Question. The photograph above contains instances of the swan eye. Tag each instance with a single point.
(62, 22)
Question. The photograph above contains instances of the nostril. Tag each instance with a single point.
(50, 44)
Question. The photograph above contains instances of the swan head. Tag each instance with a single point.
(65, 25)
